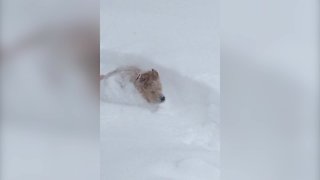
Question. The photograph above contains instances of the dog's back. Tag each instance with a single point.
(128, 72)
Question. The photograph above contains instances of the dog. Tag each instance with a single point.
(74, 45)
(128, 82)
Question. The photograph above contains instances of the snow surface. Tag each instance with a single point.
(179, 141)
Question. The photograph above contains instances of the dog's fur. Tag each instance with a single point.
(75, 45)
(147, 83)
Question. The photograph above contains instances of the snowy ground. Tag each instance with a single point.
(180, 141)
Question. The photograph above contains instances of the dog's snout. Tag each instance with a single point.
(162, 98)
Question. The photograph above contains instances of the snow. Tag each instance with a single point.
(180, 140)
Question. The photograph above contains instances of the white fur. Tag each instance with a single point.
(118, 87)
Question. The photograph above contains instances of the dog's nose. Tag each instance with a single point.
(162, 98)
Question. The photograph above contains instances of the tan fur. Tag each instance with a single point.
(77, 43)
(147, 83)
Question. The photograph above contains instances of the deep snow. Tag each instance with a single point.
(179, 141)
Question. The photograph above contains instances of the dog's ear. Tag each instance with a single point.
(138, 77)
(155, 74)
(141, 78)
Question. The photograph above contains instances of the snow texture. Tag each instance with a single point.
(180, 139)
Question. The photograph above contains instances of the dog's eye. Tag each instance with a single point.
(142, 79)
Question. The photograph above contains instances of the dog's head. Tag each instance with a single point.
(149, 85)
